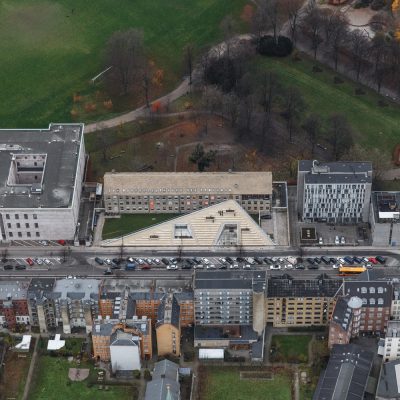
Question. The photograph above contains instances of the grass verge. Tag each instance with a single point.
(290, 348)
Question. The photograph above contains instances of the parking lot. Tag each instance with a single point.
(33, 263)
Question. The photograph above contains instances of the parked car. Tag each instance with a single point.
(149, 261)
(44, 242)
(325, 260)
(7, 267)
(47, 261)
(300, 266)
(130, 266)
(30, 261)
(373, 260)
(199, 266)
(62, 242)
(313, 266)
(357, 260)
(108, 261)
(99, 260)
(172, 266)
(317, 260)
(157, 261)
(108, 272)
(342, 240)
(145, 266)
(38, 261)
(349, 260)
(229, 260)
(222, 266)
(310, 261)
(333, 260)
(20, 267)
(337, 240)
(165, 261)
(187, 266)
(258, 260)
(320, 241)
(380, 259)
(210, 266)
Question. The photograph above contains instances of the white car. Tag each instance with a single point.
(289, 266)
(149, 261)
(172, 266)
(157, 261)
(39, 261)
(211, 266)
(198, 266)
(335, 266)
(320, 241)
(47, 261)
(342, 240)
(246, 266)
(222, 260)
(365, 259)
(107, 261)
(337, 240)
(44, 242)
(234, 266)
(140, 261)
(341, 261)
(206, 261)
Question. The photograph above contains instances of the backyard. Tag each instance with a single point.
(53, 48)
(374, 119)
(290, 348)
(51, 382)
(128, 223)
(225, 383)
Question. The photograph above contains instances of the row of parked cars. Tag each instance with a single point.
(347, 260)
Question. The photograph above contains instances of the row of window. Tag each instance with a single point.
(18, 225)
(19, 234)
(26, 216)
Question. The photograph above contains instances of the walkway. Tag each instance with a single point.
(31, 369)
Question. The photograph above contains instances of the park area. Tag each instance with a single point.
(53, 48)
(51, 382)
(231, 383)
(289, 348)
(374, 119)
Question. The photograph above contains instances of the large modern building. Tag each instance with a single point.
(41, 174)
(385, 218)
(336, 192)
(184, 192)
(224, 226)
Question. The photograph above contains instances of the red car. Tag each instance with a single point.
(62, 242)
(145, 266)
(30, 261)
(373, 260)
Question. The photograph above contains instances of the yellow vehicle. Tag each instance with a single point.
(349, 270)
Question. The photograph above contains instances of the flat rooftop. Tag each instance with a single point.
(183, 183)
(13, 290)
(386, 206)
(77, 289)
(341, 167)
(337, 178)
(31, 184)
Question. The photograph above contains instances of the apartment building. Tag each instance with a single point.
(376, 293)
(184, 192)
(124, 351)
(390, 344)
(336, 192)
(300, 302)
(186, 308)
(395, 309)
(345, 322)
(13, 304)
(168, 329)
(229, 298)
(385, 218)
(41, 174)
(41, 305)
(104, 329)
(76, 303)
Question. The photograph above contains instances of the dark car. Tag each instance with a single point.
(310, 261)
(332, 260)
(20, 267)
(258, 260)
(229, 260)
(165, 261)
(317, 260)
(349, 260)
(145, 266)
(381, 259)
(299, 260)
(240, 259)
(108, 272)
(313, 266)
(117, 261)
(8, 267)
(222, 266)
(190, 262)
(300, 266)
(326, 260)
(186, 266)
(267, 260)
(357, 260)
(99, 261)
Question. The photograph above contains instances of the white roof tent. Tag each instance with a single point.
(211, 354)
(25, 344)
(56, 343)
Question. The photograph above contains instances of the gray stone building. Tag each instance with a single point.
(336, 192)
(184, 192)
(41, 173)
(385, 218)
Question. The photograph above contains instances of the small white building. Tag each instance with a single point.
(391, 345)
(124, 351)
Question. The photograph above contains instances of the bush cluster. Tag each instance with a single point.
(268, 46)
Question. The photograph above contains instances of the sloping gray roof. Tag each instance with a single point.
(165, 369)
(159, 389)
(342, 314)
(370, 290)
(387, 385)
(61, 144)
(346, 375)
(120, 338)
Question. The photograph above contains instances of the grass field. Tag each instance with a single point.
(51, 49)
(128, 223)
(52, 383)
(290, 348)
(373, 124)
(225, 384)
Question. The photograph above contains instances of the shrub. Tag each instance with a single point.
(147, 375)
(221, 72)
(378, 4)
(136, 374)
(267, 46)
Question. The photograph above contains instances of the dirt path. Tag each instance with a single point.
(30, 372)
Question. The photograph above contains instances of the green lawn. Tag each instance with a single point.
(225, 384)
(51, 49)
(289, 348)
(128, 223)
(373, 125)
(52, 383)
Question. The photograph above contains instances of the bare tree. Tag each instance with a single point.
(211, 102)
(313, 24)
(269, 15)
(202, 158)
(124, 53)
(189, 61)
(359, 46)
(339, 135)
(268, 90)
(337, 28)
(292, 9)
(228, 27)
(146, 81)
(231, 104)
(312, 127)
(294, 106)
(381, 57)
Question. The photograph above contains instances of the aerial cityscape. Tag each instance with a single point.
(200, 200)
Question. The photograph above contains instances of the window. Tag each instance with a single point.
(372, 301)
(18, 225)
(380, 289)
(8, 225)
(34, 216)
(380, 300)
(36, 225)
(16, 216)
(37, 234)
(363, 289)
(26, 225)
(26, 216)
(11, 234)
(28, 234)
(7, 216)
(372, 289)
(19, 234)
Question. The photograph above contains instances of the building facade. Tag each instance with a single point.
(300, 302)
(336, 192)
(13, 304)
(124, 351)
(391, 342)
(184, 192)
(41, 174)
